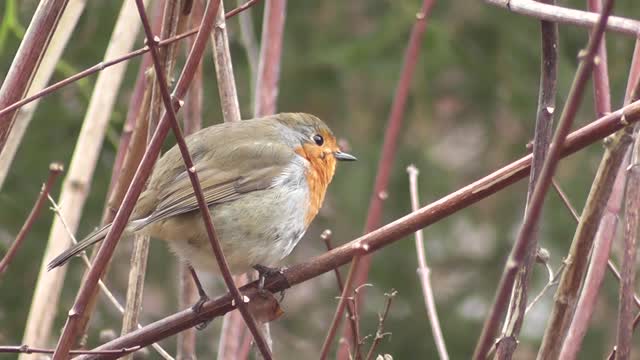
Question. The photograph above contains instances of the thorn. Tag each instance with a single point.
(550, 110)
(383, 195)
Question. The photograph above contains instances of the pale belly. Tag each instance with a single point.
(261, 227)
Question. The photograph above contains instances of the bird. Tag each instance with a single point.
(263, 179)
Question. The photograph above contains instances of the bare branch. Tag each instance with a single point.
(141, 176)
(358, 271)
(564, 15)
(54, 170)
(424, 272)
(534, 209)
(379, 238)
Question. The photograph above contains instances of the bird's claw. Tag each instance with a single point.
(263, 273)
(197, 308)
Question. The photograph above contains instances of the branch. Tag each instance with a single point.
(386, 235)
(27, 60)
(75, 186)
(5, 109)
(26, 349)
(380, 334)
(534, 208)
(628, 275)
(54, 170)
(564, 15)
(358, 271)
(424, 272)
(541, 139)
(138, 182)
(195, 182)
(102, 286)
(266, 91)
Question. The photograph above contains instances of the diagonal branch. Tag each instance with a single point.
(534, 208)
(138, 182)
(54, 170)
(195, 182)
(386, 235)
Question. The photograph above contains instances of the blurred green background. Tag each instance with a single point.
(471, 110)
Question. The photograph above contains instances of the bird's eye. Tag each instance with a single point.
(318, 139)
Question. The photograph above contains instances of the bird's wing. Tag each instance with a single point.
(247, 168)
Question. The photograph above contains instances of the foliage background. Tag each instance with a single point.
(471, 110)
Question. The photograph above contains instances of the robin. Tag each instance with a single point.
(264, 181)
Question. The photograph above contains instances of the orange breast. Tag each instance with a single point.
(319, 175)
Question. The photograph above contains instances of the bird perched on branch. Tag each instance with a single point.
(264, 181)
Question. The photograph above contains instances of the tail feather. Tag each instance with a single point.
(91, 239)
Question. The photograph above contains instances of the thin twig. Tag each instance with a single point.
(390, 233)
(26, 349)
(534, 208)
(567, 203)
(102, 286)
(105, 64)
(541, 140)
(54, 170)
(553, 280)
(326, 238)
(380, 334)
(424, 272)
(195, 182)
(139, 180)
(563, 15)
(358, 272)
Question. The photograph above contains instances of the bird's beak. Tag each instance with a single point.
(339, 155)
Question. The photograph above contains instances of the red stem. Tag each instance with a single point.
(359, 270)
(54, 170)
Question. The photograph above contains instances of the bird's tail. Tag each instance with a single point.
(91, 239)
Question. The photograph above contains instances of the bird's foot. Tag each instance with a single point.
(265, 272)
(198, 306)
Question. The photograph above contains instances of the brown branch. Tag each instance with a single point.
(541, 140)
(192, 121)
(195, 182)
(54, 170)
(138, 182)
(9, 107)
(266, 91)
(224, 70)
(26, 349)
(359, 270)
(424, 272)
(604, 238)
(27, 60)
(601, 91)
(326, 238)
(380, 334)
(534, 209)
(386, 235)
(628, 274)
(568, 16)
